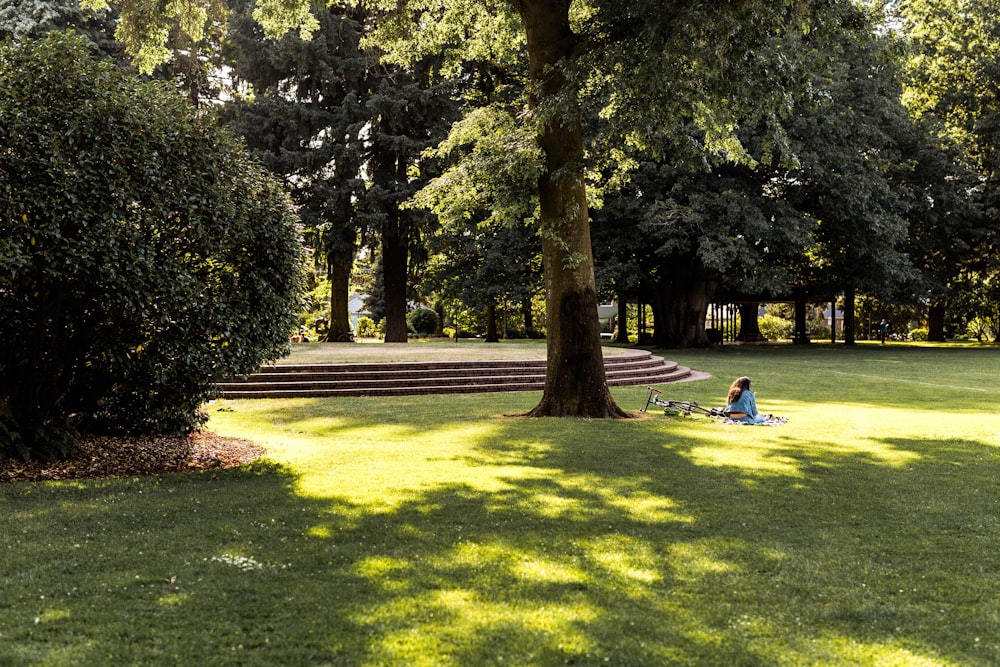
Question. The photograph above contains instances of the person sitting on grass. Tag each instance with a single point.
(741, 404)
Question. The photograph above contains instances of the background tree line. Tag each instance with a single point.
(865, 184)
(487, 156)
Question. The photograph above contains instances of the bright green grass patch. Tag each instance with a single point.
(424, 349)
(436, 531)
(416, 350)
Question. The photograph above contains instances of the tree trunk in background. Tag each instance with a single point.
(575, 383)
(699, 295)
(491, 324)
(529, 320)
(680, 300)
(394, 256)
(935, 324)
(849, 319)
(833, 320)
(750, 324)
(660, 305)
(621, 336)
(439, 309)
(800, 334)
(340, 320)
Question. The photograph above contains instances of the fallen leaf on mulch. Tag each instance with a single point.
(104, 456)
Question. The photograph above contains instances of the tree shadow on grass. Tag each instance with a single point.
(613, 551)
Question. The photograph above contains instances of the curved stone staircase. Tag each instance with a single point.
(633, 367)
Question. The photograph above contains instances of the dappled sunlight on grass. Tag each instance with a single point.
(892, 653)
(544, 570)
(695, 560)
(554, 506)
(809, 440)
(435, 629)
(359, 457)
(422, 617)
(623, 559)
(174, 599)
(794, 458)
(384, 571)
(498, 559)
(757, 459)
(626, 497)
(433, 531)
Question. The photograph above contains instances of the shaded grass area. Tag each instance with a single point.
(436, 531)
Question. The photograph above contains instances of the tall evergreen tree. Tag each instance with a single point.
(35, 18)
(305, 117)
(407, 116)
(347, 132)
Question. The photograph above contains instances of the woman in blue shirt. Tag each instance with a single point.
(741, 404)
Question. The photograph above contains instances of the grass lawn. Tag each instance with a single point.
(436, 531)
(428, 349)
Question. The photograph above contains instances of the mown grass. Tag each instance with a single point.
(463, 349)
(437, 531)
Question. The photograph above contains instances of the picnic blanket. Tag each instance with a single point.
(772, 421)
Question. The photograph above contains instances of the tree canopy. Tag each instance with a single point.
(952, 84)
(777, 125)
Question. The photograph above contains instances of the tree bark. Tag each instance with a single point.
(849, 318)
(800, 334)
(750, 323)
(439, 309)
(340, 321)
(680, 301)
(491, 324)
(833, 320)
(394, 256)
(575, 383)
(935, 324)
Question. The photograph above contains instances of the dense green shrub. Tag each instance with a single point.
(422, 321)
(366, 328)
(773, 327)
(143, 255)
(919, 334)
(819, 329)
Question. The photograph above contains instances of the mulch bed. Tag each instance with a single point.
(103, 456)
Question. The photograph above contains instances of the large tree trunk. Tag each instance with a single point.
(394, 255)
(491, 324)
(849, 318)
(439, 309)
(800, 333)
(340, 320)
(935, 324)
(680, 305)
(750, 323)
(661, 303)
(575, 384)
(700, 294)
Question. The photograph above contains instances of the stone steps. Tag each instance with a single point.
(633, 367)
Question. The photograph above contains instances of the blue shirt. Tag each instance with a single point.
(747, 404)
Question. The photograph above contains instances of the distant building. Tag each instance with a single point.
(607, 313)
(356, 308)
(837, 322)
